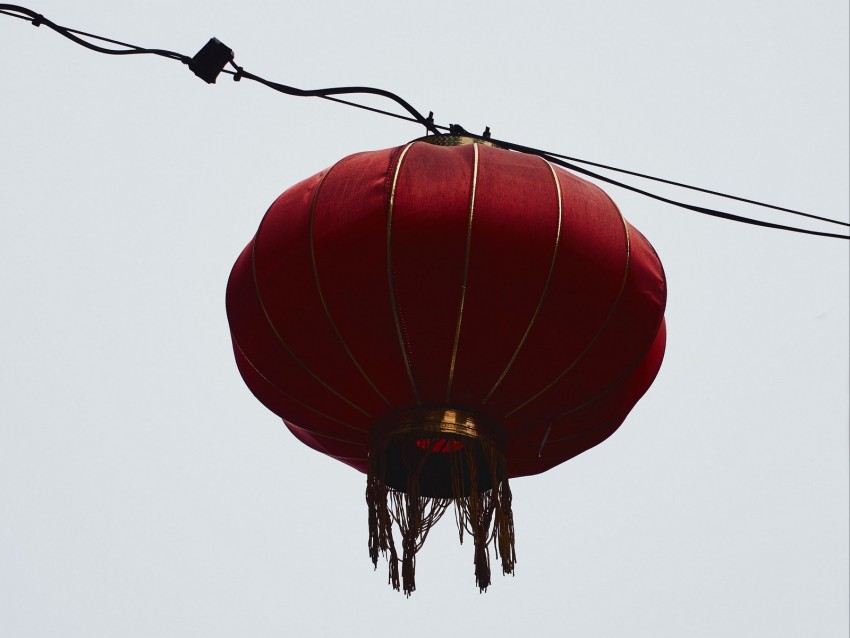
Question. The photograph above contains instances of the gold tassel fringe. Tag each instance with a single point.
(418, 469)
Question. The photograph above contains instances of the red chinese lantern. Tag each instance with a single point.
(444, 316)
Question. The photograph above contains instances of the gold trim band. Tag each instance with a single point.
(443, 421)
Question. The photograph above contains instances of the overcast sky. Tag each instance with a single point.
(145, 492)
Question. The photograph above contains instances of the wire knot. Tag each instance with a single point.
(38, 20)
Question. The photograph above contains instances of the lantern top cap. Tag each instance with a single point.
(454, 140)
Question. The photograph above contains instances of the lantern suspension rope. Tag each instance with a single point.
(212, 59)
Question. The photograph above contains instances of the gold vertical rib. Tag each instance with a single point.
(598, 332)
(629, 369)
(280, 339)
(465, 272)
(391, 276)
(299, 402)
(322, 296)
(545, 287)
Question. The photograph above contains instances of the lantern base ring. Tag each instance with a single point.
(424, 460)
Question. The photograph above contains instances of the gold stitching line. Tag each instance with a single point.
(598, 396)
(322, 296)
(593, 429)
(280, 339)
(391, 276)
(294, 400)
(598, 332)
(328, 437)
(628, 370)
(465, 273)
(347, 458)
(545, 287)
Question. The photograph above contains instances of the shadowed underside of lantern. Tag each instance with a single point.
(442, 319)
(423, 462)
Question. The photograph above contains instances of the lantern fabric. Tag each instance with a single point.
(455, 278)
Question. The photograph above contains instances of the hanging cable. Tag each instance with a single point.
(428, 122)
(697, 209)
(211, 60)
(695, 188)
(72, 34)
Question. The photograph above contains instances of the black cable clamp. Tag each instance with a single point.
(37, 20)
(429, 123)
(210, 60)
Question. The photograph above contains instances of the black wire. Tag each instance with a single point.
(558, 159)
(697, 209)
(37, 20)
(415, 116)
(382, 112)
(135, 50)
(428, 123)
(697, 188)
(14, 15)
(354, 104)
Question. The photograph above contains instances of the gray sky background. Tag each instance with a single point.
(145, 492)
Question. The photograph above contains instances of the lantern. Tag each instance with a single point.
(444, 316)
